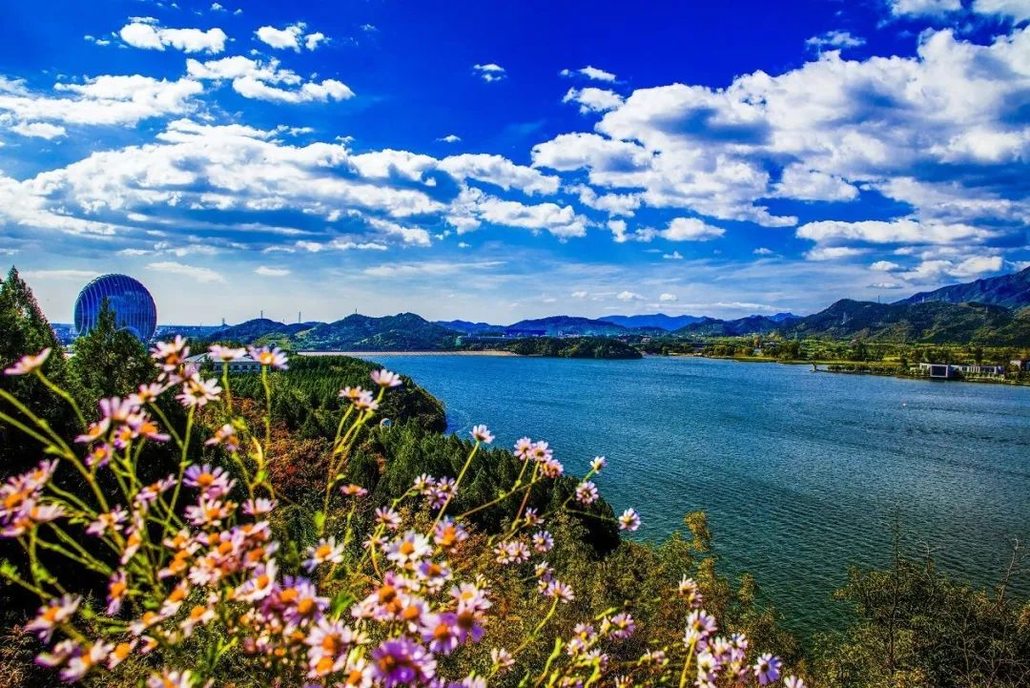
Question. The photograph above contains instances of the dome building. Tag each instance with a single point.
(133, 306)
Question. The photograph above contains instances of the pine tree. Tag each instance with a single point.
(108, 360)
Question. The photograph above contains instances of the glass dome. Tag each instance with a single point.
(132, 304)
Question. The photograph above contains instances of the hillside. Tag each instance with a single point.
(564, 325)
(251, 330)
(575, 347)
(657, 321)
(931, 322)
(1011, 291)
(405, 331)
(752, 324)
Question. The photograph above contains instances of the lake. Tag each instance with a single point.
(801, 473)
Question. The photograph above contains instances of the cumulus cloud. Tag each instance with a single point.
(261, 80)
(834, 40)
(101, 100)
(931, 8)
(592, 99)
(1018, 10)
(590, 73)
(265, 271)
(668, 298)
(192, 272)
(500, 171)
(147, 34)
(490, 72)
(675, 255)
(40, 130)
(629, 296)
(884, 266)
(450, 138)
(763, 251)
(291, 37)
(833, 252)
(902, 231)
(683, 229)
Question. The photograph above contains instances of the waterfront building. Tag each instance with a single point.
(243, 365)
(133, 306)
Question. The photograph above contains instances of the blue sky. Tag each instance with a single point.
(497, 161)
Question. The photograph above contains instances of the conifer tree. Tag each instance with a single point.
(108, 360)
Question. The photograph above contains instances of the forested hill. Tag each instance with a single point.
(405, 331)
(931, 322)
(1011, 291)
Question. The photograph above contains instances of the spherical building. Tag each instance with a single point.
(133, 306)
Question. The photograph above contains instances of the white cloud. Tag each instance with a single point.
(145, 33)
(498, 170)
(450, 138)
(929, 8)
(102, 100)
(41, 130)
(629, 296)
(683, 229)
(281, 39)
(668, 298)
(432, 268)
(936, 269)
(902, 231)
(580, 294)
(820, 253)
(884, 266)
(271, 272)
(590, 73)
(592, 99)
(75, 275)
(763, 251)
(197, 274)
(812, 185)
(265, 80)
(675, 255)
(613, 204)
(887, 285)
(473, 207)
(490, 71)
(313, 40)
(836, 40)
(1018, 10)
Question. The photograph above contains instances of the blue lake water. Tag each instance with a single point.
(801, 473)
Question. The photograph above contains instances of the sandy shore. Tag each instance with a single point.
(373, 354)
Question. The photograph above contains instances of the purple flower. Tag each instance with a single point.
(767, 669)
(399, 661)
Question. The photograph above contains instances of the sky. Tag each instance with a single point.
(496, 161)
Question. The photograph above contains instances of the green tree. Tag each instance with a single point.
(109, 360)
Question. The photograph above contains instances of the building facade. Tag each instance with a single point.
(133, 306)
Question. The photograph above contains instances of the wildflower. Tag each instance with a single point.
(366, 403)
(767, 669)
(80, 664)
(384, 378)
(586, 493)
(151, 492)
(59, 654)
(501, 659)
(226, 354)
(328, 643)
(469, 596)
(524, 448)
(598, 463)
(327, 550)
(629, 520)
(226, 437)
(793, 682)
(52, 615)
(689, 590)
(117, 588)
(551, 468)
(511, 552)
(260, 584)
(388, 517)
(409, 549)
(543, 541)
(147, 393)
(447, 533)
(358, 673)
(700, 625)
(170, 679)
(197, 392)
(531, 518)
(622, 626)
(259, 506)
(209, 512)
(480, 433)
(541, 452)
(120, 653)
(399, 661)
(28, 363)
(353, 490)
(441, 492)
(434, 574)
(424, 484)
(170, 355)
(199, 615)
(353, 393)
(272, 357)
(213, 482)
(440, 631)
(559, 591)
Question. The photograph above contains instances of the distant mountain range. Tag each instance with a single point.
(989, 311)
(1011, 291)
